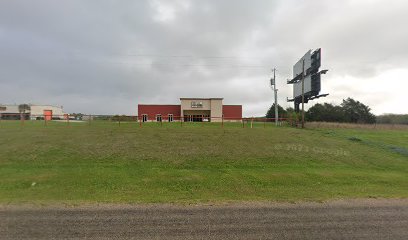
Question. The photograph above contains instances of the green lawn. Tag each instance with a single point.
(105, 162)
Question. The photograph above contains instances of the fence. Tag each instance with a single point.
(248, 122)
(141, 121)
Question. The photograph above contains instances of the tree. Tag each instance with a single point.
(393, 119)
(357, 112)
(271, 111)
(349, 110)
(289, 110)
(22, 108)
(325, 113)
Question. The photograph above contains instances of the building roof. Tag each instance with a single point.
(201, 98)
(31, 105)
(159, 104)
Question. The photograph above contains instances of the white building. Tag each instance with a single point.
(48, 112)
(51, 112)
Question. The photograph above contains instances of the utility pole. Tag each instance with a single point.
(276, 98)
(303, 93)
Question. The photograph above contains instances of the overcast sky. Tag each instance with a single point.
(106, 56)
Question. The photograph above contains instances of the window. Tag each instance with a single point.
(144, 118)
(158, 118)
(188, 118)
(170, 117)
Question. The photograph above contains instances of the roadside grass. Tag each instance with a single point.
(380, 126)
(104, 162)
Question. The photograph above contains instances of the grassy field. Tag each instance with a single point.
(105, 162)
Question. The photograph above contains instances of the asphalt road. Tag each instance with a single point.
(363, 219)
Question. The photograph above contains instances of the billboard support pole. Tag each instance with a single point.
(303, 93)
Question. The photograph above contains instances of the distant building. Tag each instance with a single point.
(191, 110)
(47, 112)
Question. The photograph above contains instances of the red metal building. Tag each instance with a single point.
(232, 112)
(150, 112)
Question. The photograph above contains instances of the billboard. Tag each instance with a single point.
(297, 68)
(311, 76)
(297, 87)
(311, 87)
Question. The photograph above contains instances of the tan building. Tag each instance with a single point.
(202, 107)
(191, 110)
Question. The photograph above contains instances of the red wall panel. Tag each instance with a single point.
(164, 110)
(232, 112)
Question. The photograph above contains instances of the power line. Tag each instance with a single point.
(157, 55)
(163, 63)
(105, 58)
(199, 65)
(184, 56)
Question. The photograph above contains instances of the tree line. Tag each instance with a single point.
(393, 119)
(349, 111)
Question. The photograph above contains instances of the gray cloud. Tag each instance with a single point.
(108, 56)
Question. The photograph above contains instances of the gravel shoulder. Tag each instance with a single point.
(342, 219)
